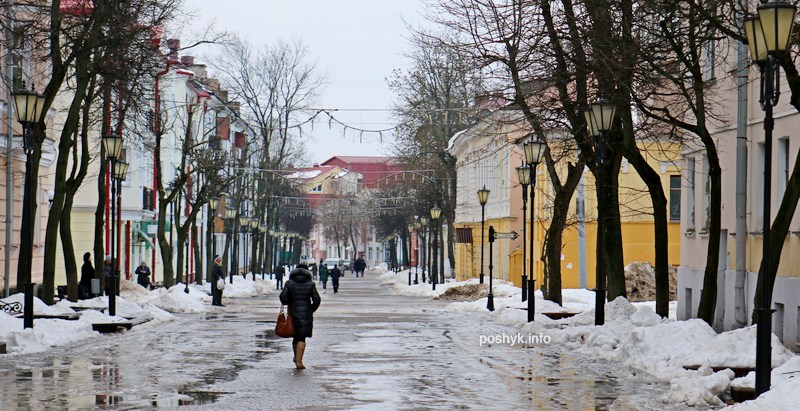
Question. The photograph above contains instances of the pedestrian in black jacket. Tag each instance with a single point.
(279, 271)
(216, 293)
(335, 273)
(143, 275)
(301, 295)
(87, 274)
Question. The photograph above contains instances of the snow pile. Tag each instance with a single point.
(636, 336)
(465, 292)
(134, 302)
(640, 282)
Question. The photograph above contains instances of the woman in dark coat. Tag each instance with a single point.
(87, 274)
(216, 274)
(301, 295)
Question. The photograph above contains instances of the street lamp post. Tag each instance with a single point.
(534, 149)
(230, 214)
(112, 144)
(524, 177)
(410, 234)
(769, 37)
(599, 119)
(213, 203)
(417, 227)
(29, 107)
(244, 223)
(436, 212)
(253, 238)
(490, 297)
(483, 197)
(121, 174)
(425, 248)
(263, 229)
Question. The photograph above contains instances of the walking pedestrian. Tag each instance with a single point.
(360, 267)
(313, 269)
(323, 278)
(335, 274)
(279, 271)
(143, 275)
(301, 295)
(87, 274)
(217, 274)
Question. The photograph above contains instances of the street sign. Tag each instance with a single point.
(512, 235)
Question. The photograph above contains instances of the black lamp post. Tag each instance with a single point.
(524, 177)
(244, 224)
(418, 228)
(410, 233)
(112, 144)
(769, 37)
(213, 203)
(483, 198)
(534, 149)
(230, 214)
(121, 174)
(436, 212)
(425, 246)
(264, 233)
(598, 120)
(490, 297)
(29, 106)
(253, 238)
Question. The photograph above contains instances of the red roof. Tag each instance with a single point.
(362, 160)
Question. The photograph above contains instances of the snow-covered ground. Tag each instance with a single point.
(133, 302)
(635, 335)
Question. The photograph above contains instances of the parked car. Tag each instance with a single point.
(342, 263)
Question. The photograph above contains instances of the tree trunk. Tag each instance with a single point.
(661, 227)
(29, 197)
(68, 248)
(198, 257)
(611, 254)
(708, 297)
(164, 245)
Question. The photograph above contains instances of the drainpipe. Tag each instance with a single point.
(580, 204)
(739, 301)
(9, 157)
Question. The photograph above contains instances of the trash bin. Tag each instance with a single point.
(95, 286)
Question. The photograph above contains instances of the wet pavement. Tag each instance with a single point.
(371, 349)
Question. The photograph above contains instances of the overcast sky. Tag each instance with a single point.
(357, 42)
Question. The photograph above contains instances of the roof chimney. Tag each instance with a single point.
(173, 45)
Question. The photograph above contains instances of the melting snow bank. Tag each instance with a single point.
(636, 336)
(134, 302)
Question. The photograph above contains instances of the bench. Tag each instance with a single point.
(737, 371)
(107, 328)
(11, 308)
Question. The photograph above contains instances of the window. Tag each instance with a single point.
(783, 166)
(21, 52)
(690, 194)
(674, 198)
(317, 189)
(709, 59)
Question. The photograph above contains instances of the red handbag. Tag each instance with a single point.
(284, 327)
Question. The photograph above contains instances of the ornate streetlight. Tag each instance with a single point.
(426, 246)
(213, 203)
(524, 177)
(112, 144)
(483, 197)
(120, 174)
(410, 233)
(263, 229)
(29, 106)
(253, 238)
(599, 119)
(230, 214)
(417, 228)
(436, 212)
(769, 37)
(244, 224)
(534, 149)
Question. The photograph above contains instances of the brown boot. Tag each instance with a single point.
(294, 352)
(301, 348)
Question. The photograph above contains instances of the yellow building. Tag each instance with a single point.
(487, 155)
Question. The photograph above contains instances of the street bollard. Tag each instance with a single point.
(409, 278)
(112, 296)
(531, 300)
(28, 310)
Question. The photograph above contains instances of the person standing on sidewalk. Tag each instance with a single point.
(301, 295)
(323, 277)
(279, 272)
(335, 274)
(87, 274)
(217, 274)
(143, 275)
